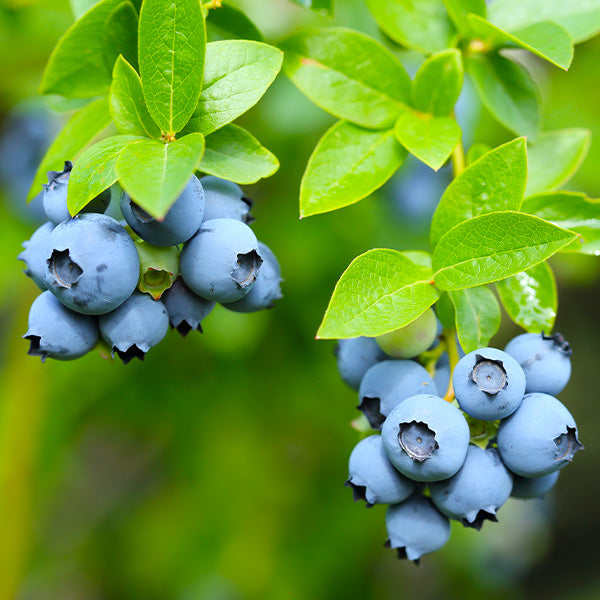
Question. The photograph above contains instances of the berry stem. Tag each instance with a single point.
(458, 160)
(430, 358)
(449, 336)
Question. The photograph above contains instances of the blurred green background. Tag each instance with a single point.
(214, 470)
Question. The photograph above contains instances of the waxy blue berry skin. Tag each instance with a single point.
(267, 288)
(136, 326)
(355, 356)
(225, 200)
(442, 373)
(416, 527)
(488, 384)
(539, 438)
(545, 360)
(481, 486)
(388, 383)
(221, 262)
(372, 476)
(35, 254)
(426, 438)
(92, 264)
(55, 197)
(55, 331)
(179, 224)
(533, 487)
(186, 309)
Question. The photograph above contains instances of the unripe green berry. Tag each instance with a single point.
(412, 340)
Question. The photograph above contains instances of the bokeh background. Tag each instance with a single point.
(214, 469)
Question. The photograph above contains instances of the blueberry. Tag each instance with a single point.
(533, 487)
(92, 265)
(545, 359)
(416, 527)
(488, 384)
(267, 288)
(481, 486)
(179, 224)
(355, 356)
(221, 261)
(136, 326)
(186, 309)
(225, 200)
(388, 383)
(35, 254)
(426, 438)
(539, 438)
(55, 196)
(55, 331)
(412, 340)
(442, 373)
(373, 477)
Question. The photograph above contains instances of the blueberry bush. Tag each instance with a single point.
(436, 143)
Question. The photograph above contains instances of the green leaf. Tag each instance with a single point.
(444, 309)
(459, 9)
(324, 7)
(346, 166)
(581, 18)
(80, 7)
(547, 40)
(94, 171)
(494, 246)
(494, 182)
(172, 44)
(422, 25)
(431, 139)
(233, 153)
(555, 157)
(228, 22)
(79, 131)
(154, 174)
(477, 317)
(438, 83)
(382, 290)
(127, 104)
(476, 151)
(570, 210)
(76, 68)
(530, 298)
(120, 35)
(507, 91)
(237, 74)
(348, 74)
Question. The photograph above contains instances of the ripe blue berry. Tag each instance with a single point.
(442, 373)
(416, 527)
(267, 287)
(489, 384)
(35, 254)
(225, 200)
(55, 196)
(426, 438)
(481, 486)
(533, 487)
(186, 309)
(388, 383)
(545, 359)
(221, 262)
(179, 224)
(372, 476)
(539, 438)
(55, 331)
(355, 356)
(136, 326)
(92, 265)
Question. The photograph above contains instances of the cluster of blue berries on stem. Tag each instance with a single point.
(456, 445)
(125, 281)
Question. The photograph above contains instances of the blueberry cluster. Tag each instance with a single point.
(504, 433)
(93, 279)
